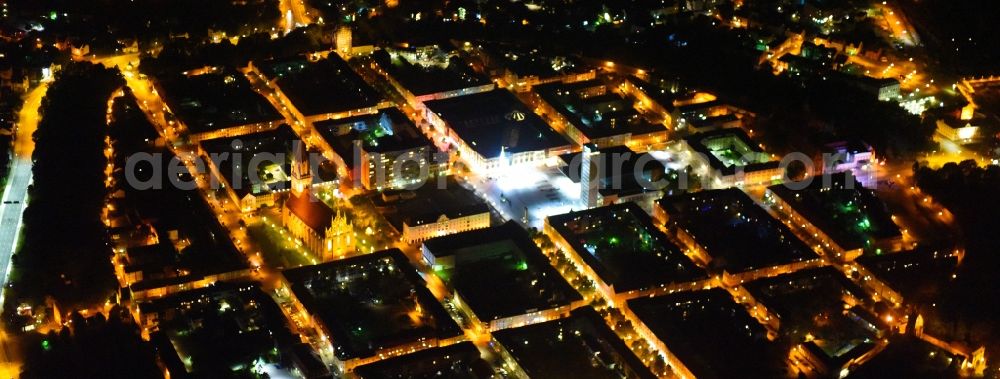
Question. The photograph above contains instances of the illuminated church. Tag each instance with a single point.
(322, 230)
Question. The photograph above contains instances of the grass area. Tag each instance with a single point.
(730, 157)
(215, 101)
(275, 248)
(624, 248)
(853, 217)
(381, 309)
(371, 302)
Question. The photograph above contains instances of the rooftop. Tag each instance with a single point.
(728, 149)
(916, 274)
(199, 248)
(427, 204)
(909, 357)
(429, 70)
(524, 61)
(848, 146)
(869, 81)
(370, 302)
(624, 180)
(582, 344)
(662, 91)
(214, 101)
(220, 329)
(500, 272)
(712, 335)
(311, 210)
(714, 120)
(624, 247)
(595, 110)
(849, 213)
(804, 64)
(810, 304)
(386, 131)
(697, 108)
(325, 86)
(270, 151)
(735, 231)
(495, 120)
(459, 361)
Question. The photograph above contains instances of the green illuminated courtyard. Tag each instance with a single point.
(852, 216)
(731, 151)
(624, 248)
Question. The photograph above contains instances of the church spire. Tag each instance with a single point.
(301, 171)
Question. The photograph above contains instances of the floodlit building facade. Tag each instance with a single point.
(494, 130)
(731, 159)
(320, 229)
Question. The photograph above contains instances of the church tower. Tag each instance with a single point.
(340, 239)
(343, 40)
(301, 172)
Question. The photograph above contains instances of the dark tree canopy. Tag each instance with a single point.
(64, 254)
(92, 347)
(970, 304)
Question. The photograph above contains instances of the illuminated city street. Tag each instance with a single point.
(901, 29)
(15, 194)
(294, 13)
(14, 201)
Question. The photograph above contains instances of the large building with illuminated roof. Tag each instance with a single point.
(592, 112)
(493, 130)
